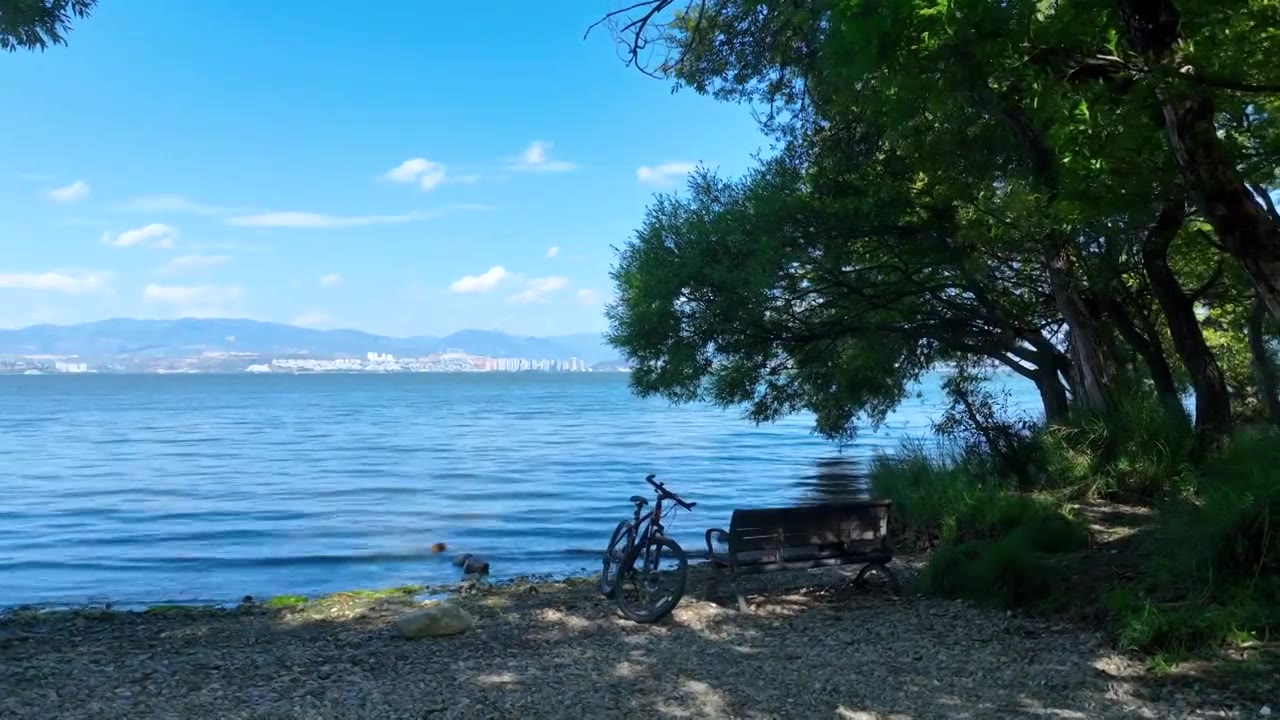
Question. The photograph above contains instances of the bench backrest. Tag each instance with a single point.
(862, 523)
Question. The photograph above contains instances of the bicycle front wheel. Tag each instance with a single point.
(652, 580)
(614, 555)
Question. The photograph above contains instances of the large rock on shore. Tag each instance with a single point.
(435, 620)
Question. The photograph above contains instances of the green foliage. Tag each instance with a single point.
(1177, 630)
(286, 601)
(1215, 563)
(995, 543)
(391, 592)
(930, 490)
(37, 24)
(1229, 533)
(998, 573)
(957, 499)
(938, 153)
(1137, 453)
(758, 295)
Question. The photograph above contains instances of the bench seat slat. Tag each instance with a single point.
(801, 555)
(804, 564)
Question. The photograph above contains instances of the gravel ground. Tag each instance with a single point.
(812, 647)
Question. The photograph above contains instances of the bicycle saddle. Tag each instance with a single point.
(639, 500)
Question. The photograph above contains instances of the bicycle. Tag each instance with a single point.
(631, 573)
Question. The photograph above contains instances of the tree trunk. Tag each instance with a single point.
(1053, 395)
(1213, 399)
(1152, 353)
(1092, 359)
(1244, 227)
(1263, 366)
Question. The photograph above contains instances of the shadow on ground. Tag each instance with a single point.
(812, 647)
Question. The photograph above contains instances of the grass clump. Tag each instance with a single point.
(994, 545)
(1214, 578)
(997, 573)
(391, 592)
(297, 601)
(1138, 453)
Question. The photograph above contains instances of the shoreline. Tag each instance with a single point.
(557, 649)
(417, 592)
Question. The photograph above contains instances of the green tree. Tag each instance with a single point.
(1047, 115)
(825, 284)
(37, 24)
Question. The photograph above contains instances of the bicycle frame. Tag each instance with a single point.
(646, 525)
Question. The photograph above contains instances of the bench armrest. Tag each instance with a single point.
(715, 534)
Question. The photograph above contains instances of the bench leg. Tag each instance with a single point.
(889, 575)
(742, 601)
(713, 583)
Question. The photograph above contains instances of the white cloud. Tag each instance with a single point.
(69, 282)
(184, 262)
(426, 173)
(74, 192)
(553, 251)
(480, 283)
(588, 297)
(320, 220)
(173, 203)
(156, 235)
(330, 279)
(537, 289)
(315, 318)
(537, 158)
(664, 174)
(204, 295)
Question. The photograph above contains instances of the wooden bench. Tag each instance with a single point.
(799, 538)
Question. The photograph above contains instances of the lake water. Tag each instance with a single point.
(147, 489)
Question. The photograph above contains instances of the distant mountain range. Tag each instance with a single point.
(127, 338)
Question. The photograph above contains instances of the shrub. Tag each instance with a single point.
(1138, 453)
(931, 490)
(956, 500)
(1003, 573)
(1215, 560)
(995, 543)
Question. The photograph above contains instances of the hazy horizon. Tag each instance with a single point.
(514, 333)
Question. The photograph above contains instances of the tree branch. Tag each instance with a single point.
(1267, 202)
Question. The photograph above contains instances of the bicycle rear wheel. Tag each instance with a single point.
(652, 580)
(614, 555)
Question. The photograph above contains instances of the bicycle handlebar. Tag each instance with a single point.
(664, 492)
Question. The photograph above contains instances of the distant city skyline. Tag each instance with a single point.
(449, 361)
(358, 175)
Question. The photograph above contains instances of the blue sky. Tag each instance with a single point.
(407, 168)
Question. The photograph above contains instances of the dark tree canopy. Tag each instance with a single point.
(37, 24)
(1078, 190)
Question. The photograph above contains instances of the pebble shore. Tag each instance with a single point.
(812, 646)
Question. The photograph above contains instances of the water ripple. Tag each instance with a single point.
(148, 488)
